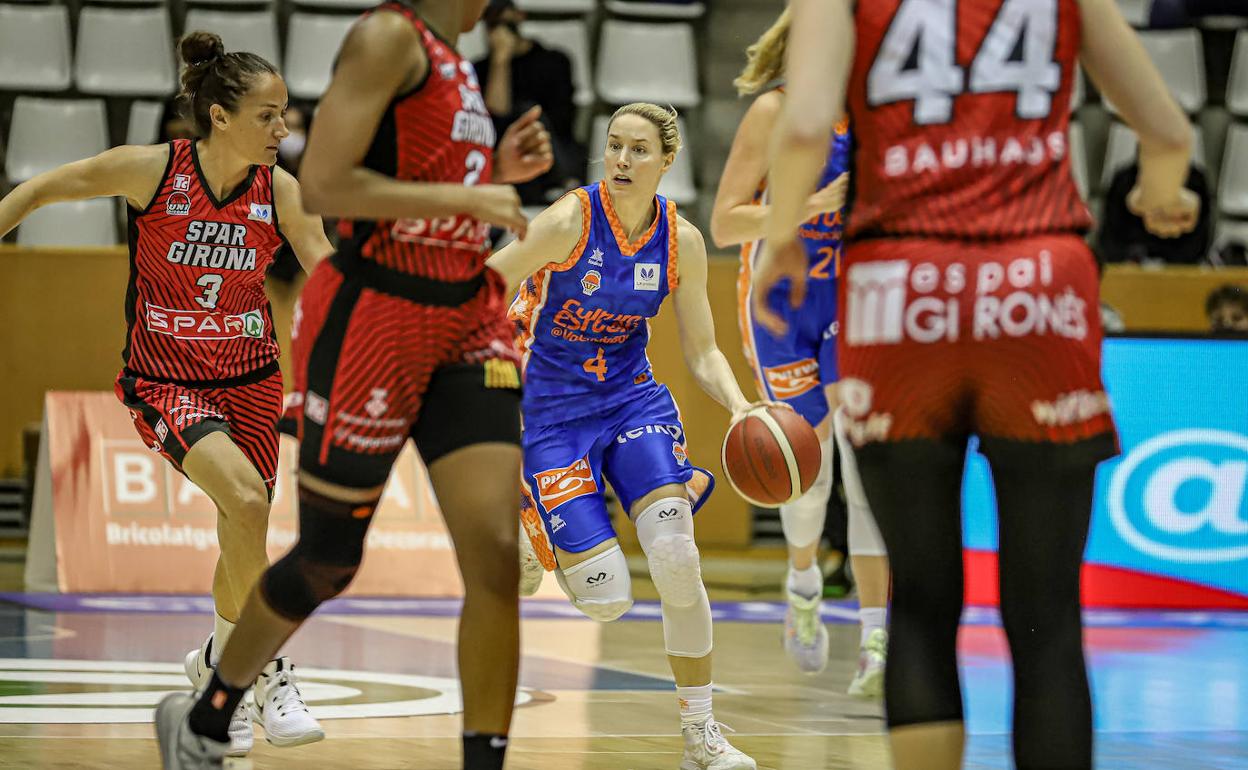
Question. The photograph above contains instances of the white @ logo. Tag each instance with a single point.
(1145, 489)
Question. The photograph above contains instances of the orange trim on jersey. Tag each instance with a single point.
(617, 228)
(586, 222)
(673, 248)
(525, 311)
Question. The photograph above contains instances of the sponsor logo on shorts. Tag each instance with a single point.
(261, 212)
(679, 453)
(793, 379)
(1070, 408)
(316, 408)
(177, 204)
(646, 277)
(556, 522)
(673, 430)
(204, 324)
(162, 430)
(377, 404)
(560, 485)
(1183, 496)
(182, 182)
(188, 411)
(591, 282)
(892, 301)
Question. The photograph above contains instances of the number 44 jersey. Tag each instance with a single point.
(583, 324)
(960, 111)
(196, 310)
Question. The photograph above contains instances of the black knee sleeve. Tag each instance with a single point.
(324, 559)
(914, 488)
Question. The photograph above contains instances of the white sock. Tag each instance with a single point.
(695, 704)
(221, 630)
(871, 618)
(806, 582)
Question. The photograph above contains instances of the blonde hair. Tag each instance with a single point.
(663, 118)
(765, 58)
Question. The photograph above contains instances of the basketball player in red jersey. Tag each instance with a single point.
(402, 333)
(201, 377)
(969, 305)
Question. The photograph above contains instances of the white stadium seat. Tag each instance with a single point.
(648, 62)
(125, 51)
(572, 38)
(34, 48)
(474, 44)
(1237, 85)
(1230, 230)
(1179, 55)
(46, 133)
(561, 7)
(144, 125)
(1233, 188)
(1135, 11)
(656, 10)
(337, 3)
(251, 31)
(91, 222)
(1079, 159)
(677, 184)
(312, 43)
(1121, 148)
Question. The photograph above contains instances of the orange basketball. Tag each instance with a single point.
(771, 456)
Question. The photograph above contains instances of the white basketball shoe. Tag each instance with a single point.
(706, 748)
(199, 672)
(805, 636)
(279, 707)
(869, 679)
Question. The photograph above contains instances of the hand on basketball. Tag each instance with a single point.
(779, 261)
(499, 204)
(828, 199)
(525, 152)
(1166, 219)
(745, 409)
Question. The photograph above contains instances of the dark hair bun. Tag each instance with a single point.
(199, 48)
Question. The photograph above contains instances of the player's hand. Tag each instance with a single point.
(524, 152)
(745, 409)
(503, 43)
(1166, 218)
(779, 261)
(828, 199)
(499, 204)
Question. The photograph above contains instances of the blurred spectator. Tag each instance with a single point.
(173, 125)
(1173, 14)
(1227, 309)
(1122, 237)
(520, 73)
(290, 150)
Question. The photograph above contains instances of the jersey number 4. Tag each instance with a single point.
(916, 61)
(597, 366)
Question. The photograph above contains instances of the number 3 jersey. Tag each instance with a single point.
(196, 310)
(583, 324)
(961, 113)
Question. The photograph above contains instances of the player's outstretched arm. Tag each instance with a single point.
(697, 326)
(380, 59)
(132, 171)
(554, 237)
(303, 231)
(1121, 70)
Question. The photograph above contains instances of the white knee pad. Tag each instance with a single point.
(687, 630)
(599, 586)
(864, 535)
(803, 518)
(665, 530)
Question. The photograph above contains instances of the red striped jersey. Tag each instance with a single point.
(440, 131)
(961, 112)
(195, 306)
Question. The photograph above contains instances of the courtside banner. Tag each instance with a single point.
(123, 520)
(1170, 516)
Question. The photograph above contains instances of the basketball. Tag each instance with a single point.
(771, 456)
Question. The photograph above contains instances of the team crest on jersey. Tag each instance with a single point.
(178, 205)
(679, 453)
(560, 485)
(182, 182)
(646, 277)
(261, 212)
(162, 430)
(377, 405)
(591, 282)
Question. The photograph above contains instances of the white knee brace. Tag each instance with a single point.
(687, 630)
(802, 519)
(600, 586)
(864, 535)
(665, 530)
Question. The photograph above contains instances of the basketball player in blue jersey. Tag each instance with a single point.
(799, 367)
(595, 267)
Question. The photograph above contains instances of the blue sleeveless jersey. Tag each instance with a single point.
(583, 323)
(822, 236)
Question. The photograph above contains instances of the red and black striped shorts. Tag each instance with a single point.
(171, 417)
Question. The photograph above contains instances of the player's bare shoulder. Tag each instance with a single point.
(135, 169)
(690, 239)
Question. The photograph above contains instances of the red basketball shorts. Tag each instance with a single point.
(942, 338)
(170, 418)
